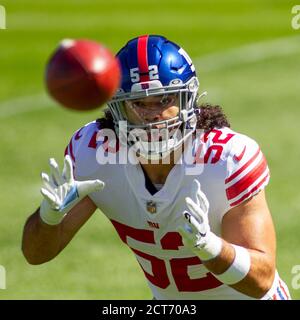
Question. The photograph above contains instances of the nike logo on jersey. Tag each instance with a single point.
(239, 157)
(78, 136)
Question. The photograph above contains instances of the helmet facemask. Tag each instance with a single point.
(155, 140)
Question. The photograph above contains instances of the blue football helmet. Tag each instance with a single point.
(151, 65)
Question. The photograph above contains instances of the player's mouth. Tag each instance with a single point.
(159, 134)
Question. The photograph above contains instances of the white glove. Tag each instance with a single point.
(61, 192)
(195, 231)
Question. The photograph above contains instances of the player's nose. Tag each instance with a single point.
(154, 117)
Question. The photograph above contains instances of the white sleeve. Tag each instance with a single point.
(247, 170)
(82, 150)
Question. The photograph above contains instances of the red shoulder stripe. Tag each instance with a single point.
(245, 196)
(245, 182)
(245, 166)
(71, 151)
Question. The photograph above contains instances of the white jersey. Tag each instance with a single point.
(230, 168)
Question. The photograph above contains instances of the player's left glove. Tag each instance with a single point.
(195, 231)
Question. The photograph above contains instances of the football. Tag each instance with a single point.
(82, 74)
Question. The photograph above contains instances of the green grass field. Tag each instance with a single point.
(247, 57)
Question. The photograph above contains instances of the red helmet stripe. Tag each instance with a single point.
(143, 58)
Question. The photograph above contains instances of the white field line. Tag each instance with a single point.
(246, 54)
(24, 104)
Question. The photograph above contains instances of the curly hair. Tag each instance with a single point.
(208, 117)
(106, 122)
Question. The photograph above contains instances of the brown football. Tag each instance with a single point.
(82, 74)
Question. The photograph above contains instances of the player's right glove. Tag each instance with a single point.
(61, 192)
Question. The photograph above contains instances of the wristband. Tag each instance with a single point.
(238, 269)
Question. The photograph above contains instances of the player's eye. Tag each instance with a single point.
(134, 104)
(167, 100)
(137, 104)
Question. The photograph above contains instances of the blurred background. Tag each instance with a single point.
(247, 56)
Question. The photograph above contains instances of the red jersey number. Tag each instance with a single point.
(179, 266)
(213, 152)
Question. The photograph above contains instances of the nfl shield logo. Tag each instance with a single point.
(151, 207)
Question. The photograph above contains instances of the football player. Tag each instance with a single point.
(199, 229)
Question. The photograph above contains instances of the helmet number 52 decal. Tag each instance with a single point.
(134, 75)
(153, 73)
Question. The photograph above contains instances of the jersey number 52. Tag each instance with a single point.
(179, 266)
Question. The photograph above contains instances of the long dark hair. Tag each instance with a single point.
(209, 117)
